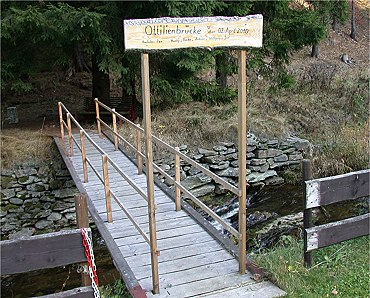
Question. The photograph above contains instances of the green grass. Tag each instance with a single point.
(114, 290)
(340, 270)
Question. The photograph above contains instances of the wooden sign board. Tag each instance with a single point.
(208, 32)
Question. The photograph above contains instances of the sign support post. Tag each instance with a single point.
(149, 169)
(242, 156)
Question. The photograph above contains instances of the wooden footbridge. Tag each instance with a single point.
(161, 246)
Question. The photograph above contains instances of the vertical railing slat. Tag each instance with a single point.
(139, 150)
(97, 115)
(83, 154)
(177, 178)
(70, 134)
(107, 188)
(307, 213)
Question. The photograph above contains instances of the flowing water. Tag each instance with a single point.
(274, 200)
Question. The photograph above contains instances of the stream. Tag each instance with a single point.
(263, 206)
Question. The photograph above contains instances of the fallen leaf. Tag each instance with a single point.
(334, 292)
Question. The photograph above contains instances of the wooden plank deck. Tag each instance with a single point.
(191, 262)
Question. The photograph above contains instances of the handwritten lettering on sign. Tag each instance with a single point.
(174, 33)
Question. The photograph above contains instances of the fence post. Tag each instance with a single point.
(307, 213)
(149, 169)
(82, 222)
(70, 134)
(83, 153)
(242, 152)
(114, 121)
(139, 149)
(97, 115)
(107, 188)
(61, 124)
(177, 179)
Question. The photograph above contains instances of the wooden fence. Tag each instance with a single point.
(330, 190)
(45, 251)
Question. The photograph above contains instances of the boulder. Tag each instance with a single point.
(259, 177)
(213, 159)
(196, 181)
(219, 148)
(43, 224)
(206, 152)
(221, 166)
(203, 190)
(229, 172)
(281, 158)
(25, 232)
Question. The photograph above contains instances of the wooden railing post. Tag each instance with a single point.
(60, 109)
(177, 178)
(70, 134)
(114, 121)
(149, 169)
(139, 150)
(83, 153)
(242, 152)
(97, 115)
(82, 217)
(107, 188)
(307, 213)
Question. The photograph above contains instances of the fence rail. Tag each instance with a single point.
(104, 178)
(177, 156)
(330, 190)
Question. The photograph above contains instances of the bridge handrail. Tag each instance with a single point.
(101, 151)
(178, 155)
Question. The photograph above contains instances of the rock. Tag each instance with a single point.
(43, 214)
(8, 228)
(273, 143)
(206, 152)
(54, 216)
(270, 161)
(165, 167)
(250, 155)
(213, 159)
(274, 180)
(261, 154)
(69, 210)
(283, 164)
(25, 232)
(285, 225)
(196, 181)
(25, 180)
(64, 193)
(16, 210)
(197, 156)
(272, 152)
(235, 164)
(252, 140)
(37, 187)
(219, 148)
(221, 166)
(281, 158)
(251, 148)
(69, 183)
(231, 156)
(43, 224)
(62, 173)
(229, 172)
(298, 143)
(70, 216)
(203, 190)
(43, 171)
(289, 150)
(47, 199)
(258, 162)
(183, 147)
(16, 201)
(263, 168)
(6, 194)
(258, 217)
(295, 156)
(60, 206)
(25, 172)
(259, 177)
(3, 213)
(193, 171)
(220, 190)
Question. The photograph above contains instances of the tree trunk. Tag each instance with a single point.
(315, 51)
(79, 60)
(100, 82)
(353, 21)
(221, 69)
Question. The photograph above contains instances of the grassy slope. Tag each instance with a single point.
(341, 270)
